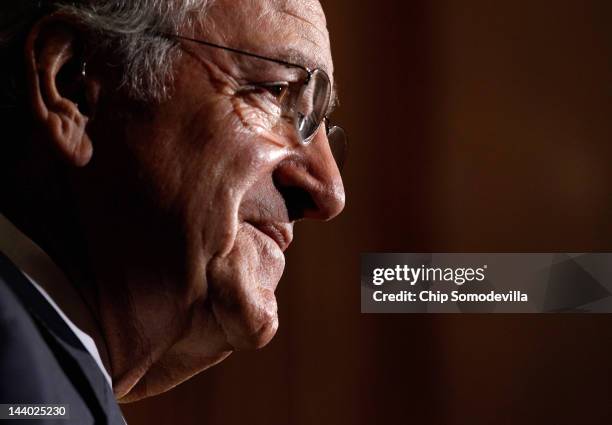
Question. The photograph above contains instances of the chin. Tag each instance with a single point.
(242, 285)
(249, 326)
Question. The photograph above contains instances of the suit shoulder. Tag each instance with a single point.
(29, 369)
(25, 359)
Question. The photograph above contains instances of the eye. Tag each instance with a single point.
(278, 90)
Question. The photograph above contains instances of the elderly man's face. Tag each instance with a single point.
(189, 204)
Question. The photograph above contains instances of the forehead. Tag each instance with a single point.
(293, 30)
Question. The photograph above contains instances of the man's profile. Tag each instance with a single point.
(155, 156)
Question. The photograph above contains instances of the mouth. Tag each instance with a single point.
(280, 233)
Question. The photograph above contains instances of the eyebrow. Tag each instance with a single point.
(296, 57)
(290, 57)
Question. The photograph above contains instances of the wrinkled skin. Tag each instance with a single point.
(181, 203)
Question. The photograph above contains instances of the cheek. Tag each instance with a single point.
(225, 167)
(256, 118)
(263, 121)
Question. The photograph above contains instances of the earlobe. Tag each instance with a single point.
(56, 85)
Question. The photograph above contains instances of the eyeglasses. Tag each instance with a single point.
(305, 106)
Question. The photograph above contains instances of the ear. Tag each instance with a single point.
(56, 83)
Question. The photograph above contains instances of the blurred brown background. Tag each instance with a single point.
(475, 126)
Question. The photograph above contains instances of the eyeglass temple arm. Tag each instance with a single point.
(238, 51)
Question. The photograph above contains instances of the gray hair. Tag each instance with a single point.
(127, 29)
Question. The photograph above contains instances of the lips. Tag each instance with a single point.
(281, 233)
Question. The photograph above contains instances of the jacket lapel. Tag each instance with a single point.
(72, 356)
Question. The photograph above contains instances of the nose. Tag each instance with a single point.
(310, 181)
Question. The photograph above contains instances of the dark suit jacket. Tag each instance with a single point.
(41, 359)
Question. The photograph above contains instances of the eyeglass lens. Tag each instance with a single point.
(338, 145)
(312, 105)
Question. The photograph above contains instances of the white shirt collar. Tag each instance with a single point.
(40, 268)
